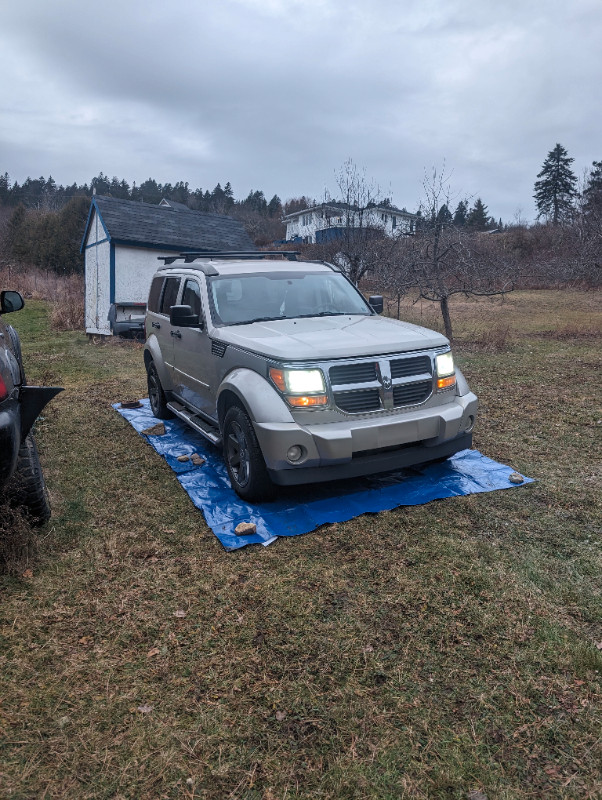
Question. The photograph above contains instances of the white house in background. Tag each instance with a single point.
(327, 221)
(122, 242)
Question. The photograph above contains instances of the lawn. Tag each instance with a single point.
(439, 651)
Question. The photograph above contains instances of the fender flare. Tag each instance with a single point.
(257, 396)
(152, 352)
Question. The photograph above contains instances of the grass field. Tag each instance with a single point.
(427, 652)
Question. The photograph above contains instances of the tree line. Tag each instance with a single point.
(461, 251)
(42, 222)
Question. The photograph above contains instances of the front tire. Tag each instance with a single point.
(27, 488)
(156, 395)
(244, 460)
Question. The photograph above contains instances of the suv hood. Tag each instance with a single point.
(316, 338)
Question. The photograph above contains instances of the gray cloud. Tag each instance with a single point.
(277, 94)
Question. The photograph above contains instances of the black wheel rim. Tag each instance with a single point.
(238, 454)
(153, 389)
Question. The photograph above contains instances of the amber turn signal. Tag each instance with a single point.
(446, 383)
(307, 402)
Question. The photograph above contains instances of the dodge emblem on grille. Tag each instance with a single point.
(387, 382)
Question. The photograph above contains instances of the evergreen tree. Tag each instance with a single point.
(460, 214)
(555, 189)
(275, 207)
(444, 216)
(477, 218)
(592, 194)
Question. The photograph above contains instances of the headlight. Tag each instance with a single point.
(298, 381)
(445, 365)
(446, 374)
(303, 388)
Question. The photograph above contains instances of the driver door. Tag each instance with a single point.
(192, 355)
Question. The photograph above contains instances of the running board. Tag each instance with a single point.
(196, 422)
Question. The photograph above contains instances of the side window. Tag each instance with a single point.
(154, 294)
(170, 295)
(191, 296)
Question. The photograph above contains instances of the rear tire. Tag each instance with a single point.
(27, 488)
(244, 461)
(156, 395)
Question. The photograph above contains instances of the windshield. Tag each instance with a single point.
(242, 299)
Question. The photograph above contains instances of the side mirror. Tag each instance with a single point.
(10, 301)
(376, 301)
(183, 317)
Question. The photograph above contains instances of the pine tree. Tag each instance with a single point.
(477, 217)
(460, 214)
(592, 194)
(555, 190)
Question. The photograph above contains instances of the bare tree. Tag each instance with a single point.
(441, 260)
(359, 242)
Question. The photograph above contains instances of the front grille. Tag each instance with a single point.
(410, 394)
(358, 401)
(381, 384)
(405, 367)
(353, 373)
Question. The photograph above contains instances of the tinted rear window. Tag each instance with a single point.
(155, 294)
(170, 294)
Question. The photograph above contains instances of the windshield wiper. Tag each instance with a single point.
(256, 319)
(324, 314)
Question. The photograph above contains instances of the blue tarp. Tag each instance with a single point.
(302, 509)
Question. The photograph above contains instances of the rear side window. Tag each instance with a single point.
(170, 295)
(155, 294)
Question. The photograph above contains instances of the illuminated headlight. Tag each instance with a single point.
(445, 365)
(446, 374)
(302, 388)
(298, 381)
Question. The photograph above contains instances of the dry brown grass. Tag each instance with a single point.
(421, 653)
(65, 293)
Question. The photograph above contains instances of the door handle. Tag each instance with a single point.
(156, 325)
(177, 334)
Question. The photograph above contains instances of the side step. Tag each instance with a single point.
(196, 422)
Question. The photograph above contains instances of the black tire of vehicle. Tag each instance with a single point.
(156, 395)
(27, 488)
(244, 460)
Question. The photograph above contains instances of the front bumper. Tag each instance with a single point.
(367, 445)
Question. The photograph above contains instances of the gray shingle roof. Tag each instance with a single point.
(130, 222)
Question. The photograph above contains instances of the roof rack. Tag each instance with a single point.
(188, 258)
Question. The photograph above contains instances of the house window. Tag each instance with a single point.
(306, 220)
(394, 221)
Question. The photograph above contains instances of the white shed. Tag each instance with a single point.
(122, 242)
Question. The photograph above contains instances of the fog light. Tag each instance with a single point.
(469, 424)
(295, 453)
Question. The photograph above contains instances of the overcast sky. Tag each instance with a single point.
(277, 94)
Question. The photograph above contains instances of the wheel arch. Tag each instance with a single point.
(254, 394)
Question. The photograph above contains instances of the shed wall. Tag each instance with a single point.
(98, 287)
(134, 268)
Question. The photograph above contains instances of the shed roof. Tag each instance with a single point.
(147, 225)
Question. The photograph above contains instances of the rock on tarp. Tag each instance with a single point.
(302, 509)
